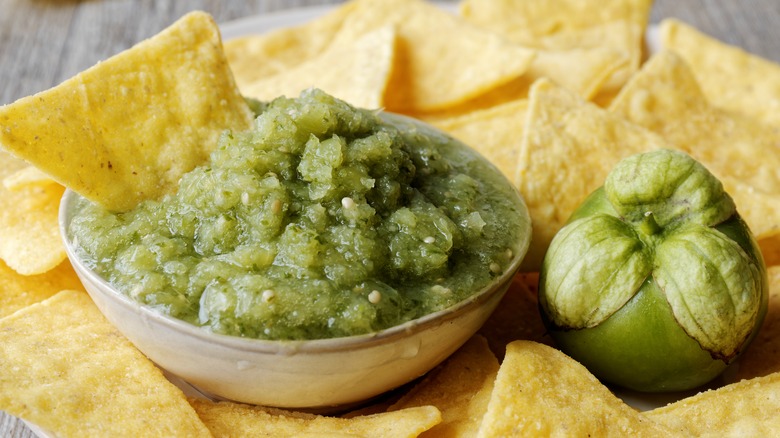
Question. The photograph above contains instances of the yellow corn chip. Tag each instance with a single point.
(227, 419)
(745, 409)
(30, 241)
(529, 20)
(460, 388)
(494, 132)
(568, 24)
(356, 72)
(542, 392)
(441, 60)
(64, 368)
(665, 98)
(731, 78)
(517, 316)
(583, 71)
(569, 147)
(762, 357)
(770, 248)
(18, 291)
(254, 57)
(29, 175)
(126, 129)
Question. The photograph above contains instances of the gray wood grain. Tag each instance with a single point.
(43, 42)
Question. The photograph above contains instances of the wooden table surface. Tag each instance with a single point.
(43, 42)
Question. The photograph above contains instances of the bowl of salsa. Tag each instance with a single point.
(325, 256)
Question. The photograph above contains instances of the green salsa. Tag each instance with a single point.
(321, 221)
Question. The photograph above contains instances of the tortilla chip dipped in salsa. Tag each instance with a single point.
(126, 129)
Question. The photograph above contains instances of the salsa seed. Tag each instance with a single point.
(374, 297)
(268, 295)
(347, 202)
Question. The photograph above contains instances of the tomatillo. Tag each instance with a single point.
(655, 283)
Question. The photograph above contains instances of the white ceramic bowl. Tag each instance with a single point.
(292, 374)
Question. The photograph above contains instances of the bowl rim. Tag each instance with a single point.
(289, 347)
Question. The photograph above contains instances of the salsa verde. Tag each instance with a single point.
(321, 221)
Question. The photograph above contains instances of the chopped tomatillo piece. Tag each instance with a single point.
(655, 283)
(322, 221)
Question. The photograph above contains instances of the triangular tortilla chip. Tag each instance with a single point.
(460, 388)
(494, 132)
(30, 175)
(366, 62)
(763, 356)
(665, 97)
(18, 291)
(126, 129)
(770, 248)
(569, 24)
(730, 77)
(541, 392)
(227, 420)
(255, 57)
(517, 316)
(441, 60)
(64, 368)
(583, 71)
(745, 409)
(30, 241)
(569, 147)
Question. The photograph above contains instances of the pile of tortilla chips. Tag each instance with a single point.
(553, 92)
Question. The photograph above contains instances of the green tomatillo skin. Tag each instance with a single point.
(655, 283)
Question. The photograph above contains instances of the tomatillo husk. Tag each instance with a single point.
(655, 283)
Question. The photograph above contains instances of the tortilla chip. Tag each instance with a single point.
(586, 71)
(665, 98)
(460, 388)
(30, 241)
(254, 57)
(495, 132)
(540, 391)
(762, 357)
(227, 419)
(27, 176)
(580, 70)
(770, 248)
(356, 72)
(126, 129)
(18, 291)
(517, 316)
(569, 24)
(64, 368)
(745, 409)
(730, 77)
(529, 21)
(761, 210)
(441, 60)
(568, 148)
